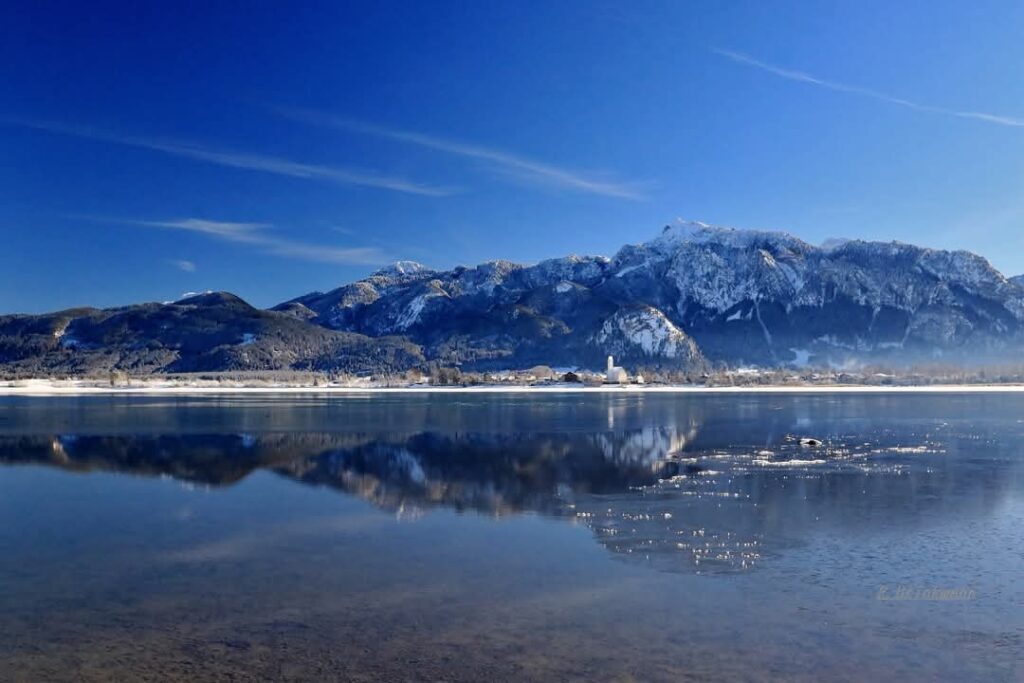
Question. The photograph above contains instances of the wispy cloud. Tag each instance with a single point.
(508, 163)
(183, 265)
(252, 162)
(262, 237)
(803, 77)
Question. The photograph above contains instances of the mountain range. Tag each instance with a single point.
(695, 294)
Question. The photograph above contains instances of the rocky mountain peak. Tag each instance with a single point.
(211, 299)
(402, 268)
(687, 232)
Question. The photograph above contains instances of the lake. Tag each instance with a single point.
(468, 537)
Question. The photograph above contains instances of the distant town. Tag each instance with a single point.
(543, 376)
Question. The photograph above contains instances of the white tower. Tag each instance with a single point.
(615, 375)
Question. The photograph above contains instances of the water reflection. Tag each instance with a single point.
(660, 482)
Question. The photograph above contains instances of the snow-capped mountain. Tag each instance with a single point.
(692, 294)
(739, 296)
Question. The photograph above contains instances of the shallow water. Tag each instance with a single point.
(504, 537)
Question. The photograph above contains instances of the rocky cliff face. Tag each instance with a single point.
(639, 335)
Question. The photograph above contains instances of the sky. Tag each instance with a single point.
(273, 149)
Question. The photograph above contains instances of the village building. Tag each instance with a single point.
(614, 374)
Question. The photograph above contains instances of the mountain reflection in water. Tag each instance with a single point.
(662, 483)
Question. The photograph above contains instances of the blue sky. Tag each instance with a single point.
(151, 149)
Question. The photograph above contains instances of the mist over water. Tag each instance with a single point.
(535, 537)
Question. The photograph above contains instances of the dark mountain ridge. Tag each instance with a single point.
(216, 331)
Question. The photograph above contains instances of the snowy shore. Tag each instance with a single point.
(45, 387)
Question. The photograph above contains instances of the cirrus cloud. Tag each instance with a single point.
(243, 160)
(508, 164)
(802, 77)
(183, 265)
(263, 237)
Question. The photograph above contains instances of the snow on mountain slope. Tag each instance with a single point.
(644, 333)
(743, 296)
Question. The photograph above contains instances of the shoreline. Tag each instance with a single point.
(73, 388)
